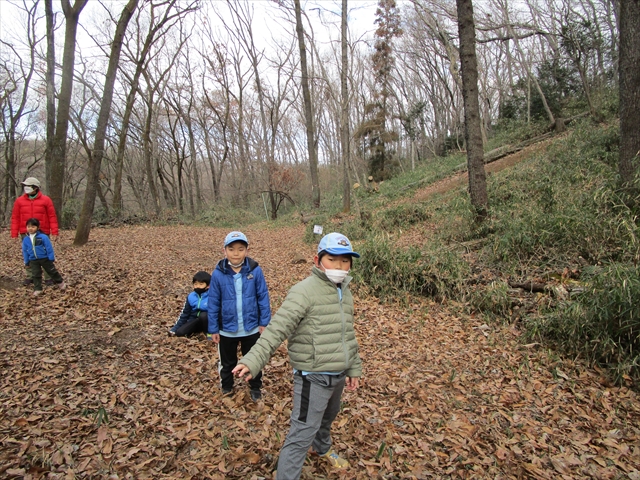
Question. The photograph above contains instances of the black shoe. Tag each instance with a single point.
(227, 391)
(48, 282)
(27, 281)
(255, 395)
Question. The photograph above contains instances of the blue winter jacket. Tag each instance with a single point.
(256, 308)
(193, 305)
(40, 248)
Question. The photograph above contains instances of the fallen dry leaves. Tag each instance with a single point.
(92, 387)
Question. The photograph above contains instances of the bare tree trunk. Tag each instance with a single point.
(51, 91)
(473, 128)
(148, 152)
(344, 127)
(93, 172)
(59, 144)
(629, 93)
(308, 110)
(14, 113)
(168, 19)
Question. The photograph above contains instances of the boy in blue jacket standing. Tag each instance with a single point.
(38, 254)
(194, 317)
(239, 309)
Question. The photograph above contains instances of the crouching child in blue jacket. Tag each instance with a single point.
(239, 309)
(194, 318)
(37, 251)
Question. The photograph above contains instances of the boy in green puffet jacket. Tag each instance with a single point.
(317, 319)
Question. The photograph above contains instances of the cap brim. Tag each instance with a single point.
(342, 251)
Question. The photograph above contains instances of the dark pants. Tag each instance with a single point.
(228, 350)
(36, 267)
(197, 325)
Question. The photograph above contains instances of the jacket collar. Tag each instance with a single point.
(26, 195)
(249, 265)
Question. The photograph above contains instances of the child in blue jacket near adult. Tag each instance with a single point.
(38, 254)
(239, 309)
(194, 317)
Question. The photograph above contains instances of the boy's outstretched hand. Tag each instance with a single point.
(242, 371)
(352, 383)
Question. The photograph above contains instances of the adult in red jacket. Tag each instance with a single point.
(33, 204)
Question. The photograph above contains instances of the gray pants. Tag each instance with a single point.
(316, 403)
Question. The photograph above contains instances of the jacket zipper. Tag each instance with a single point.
(344, 328)
(33, 245)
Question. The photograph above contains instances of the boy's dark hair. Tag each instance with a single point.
(33, 221)
(202, 277)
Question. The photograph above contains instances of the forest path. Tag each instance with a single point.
(92, 386)
(461, 179)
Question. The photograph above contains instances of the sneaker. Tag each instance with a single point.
(62, 286)
(37, 293)
(27, 281)
(335, 460)
(227, 391)
(255, 395)
(48, 282)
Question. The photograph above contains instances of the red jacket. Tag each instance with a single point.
(40, 207)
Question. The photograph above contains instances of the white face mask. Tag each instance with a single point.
(336, 276)
(28, 190)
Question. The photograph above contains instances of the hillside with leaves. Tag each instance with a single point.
(93, 387)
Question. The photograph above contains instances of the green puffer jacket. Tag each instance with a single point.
(318, 326)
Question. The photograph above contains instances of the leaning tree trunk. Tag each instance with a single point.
(308, 110)
(472, 121)
(93, 171)
(629, 93)
(57, 158)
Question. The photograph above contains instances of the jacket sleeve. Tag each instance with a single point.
(282, 325)
(184, 315)
(25, 249)
(47, 244)
(51, 214)
(15, 219)
(262, 294)
(355, 370)
(214, 304)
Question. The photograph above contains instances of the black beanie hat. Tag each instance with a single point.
(202, 277)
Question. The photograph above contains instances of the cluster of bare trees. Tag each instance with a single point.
(182, 105)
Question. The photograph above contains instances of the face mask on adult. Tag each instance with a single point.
(28, 190)
(336, 276)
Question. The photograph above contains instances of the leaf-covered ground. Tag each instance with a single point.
(91, 386)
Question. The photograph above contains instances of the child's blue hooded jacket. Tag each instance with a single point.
(41, 247)
(256, 308)
(193, 305)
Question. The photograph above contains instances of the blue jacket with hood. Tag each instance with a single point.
(256, 308)
(193, 305)
(40, 248)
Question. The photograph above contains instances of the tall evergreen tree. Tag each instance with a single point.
(375, 130)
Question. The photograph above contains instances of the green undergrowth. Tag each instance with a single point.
(387, 271)
(228, 216)
(601, 323)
